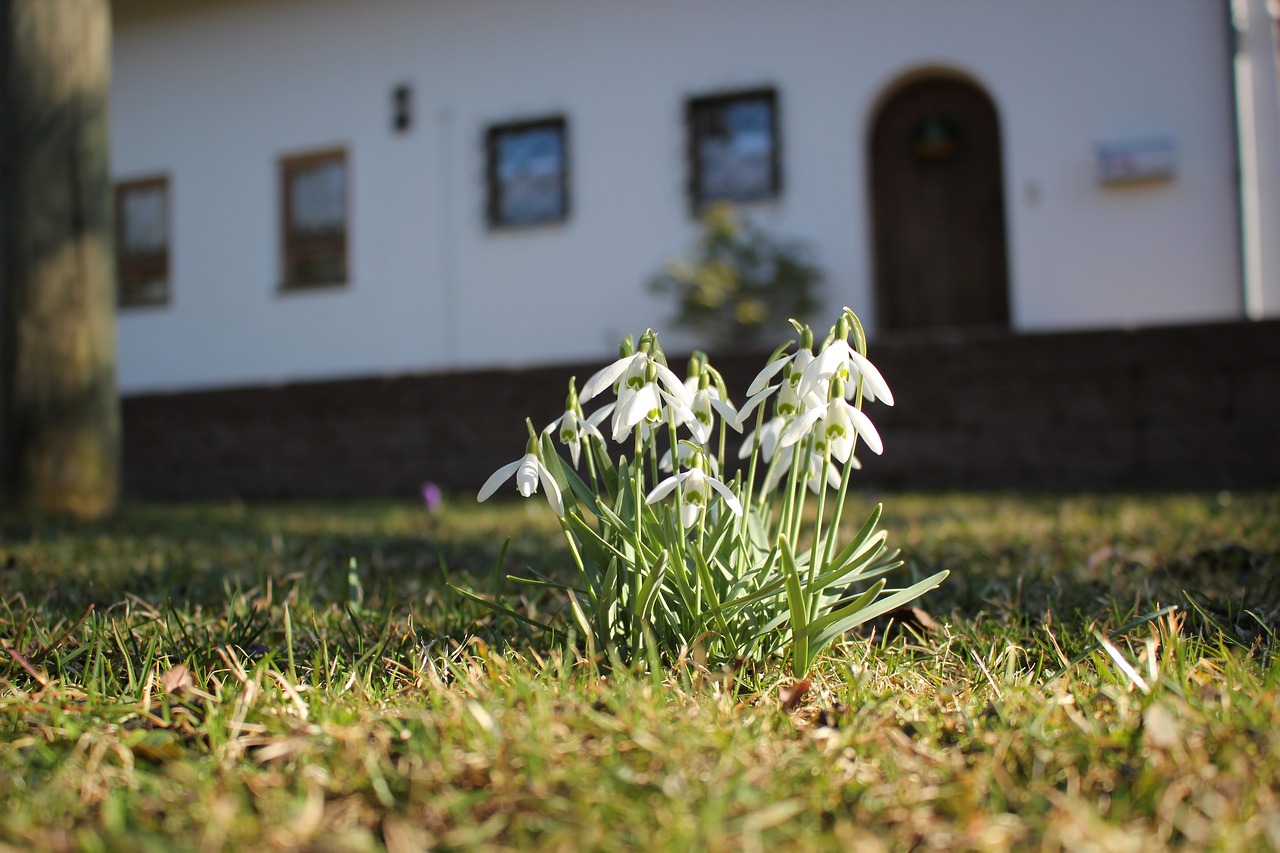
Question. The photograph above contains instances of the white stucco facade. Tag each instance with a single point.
(213, 94)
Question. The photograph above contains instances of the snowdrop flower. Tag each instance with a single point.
(572, 427)
(797, 360)
(841, 361)
(695, 492)
(837, 424)
(647, 393)
(648, 405)
(705, 405)
(838, 360)
(529, 471)
(791, 399)
(633, 365)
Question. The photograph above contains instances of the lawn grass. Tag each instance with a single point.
(217, 677)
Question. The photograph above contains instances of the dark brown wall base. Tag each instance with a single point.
(1177, 407)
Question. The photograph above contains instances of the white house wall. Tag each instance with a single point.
(214, 93)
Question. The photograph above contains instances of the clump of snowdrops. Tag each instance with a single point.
(671, 552)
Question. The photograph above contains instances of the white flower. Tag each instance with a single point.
(791, 399)
(706, 401)
(696, 488)
(647, 392)
(529, 470)
(841, 361)
(798, 361)
(838, 423)
(635, 367)
(572, 429)
(648, 405)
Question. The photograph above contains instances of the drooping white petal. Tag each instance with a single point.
(726, 411)
(673, 383)
(865, 428)
(875, 386)
(597, 417)
(678, 409)
(800, 427)
(605, 377)
(689, 513)
(665, 488)
(730, 499)
(527, 475)
(749, 406)
(497, 478)
(635, 409)
(770, 370)
(551, 488)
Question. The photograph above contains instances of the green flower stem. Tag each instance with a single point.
(591, 460)
(577, 559)
(817, 538)
(746, 497)
(679, 492)
(637, 575)
(787, 520)
(755, 454)
(834, 529)
(803, 489)
(720, 453)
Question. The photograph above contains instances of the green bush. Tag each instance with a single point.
(740, 283)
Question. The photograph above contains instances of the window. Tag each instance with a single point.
(314, 219)
(733, 147)
(142, 242)
(528, 173)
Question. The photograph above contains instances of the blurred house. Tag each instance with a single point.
(320, 190)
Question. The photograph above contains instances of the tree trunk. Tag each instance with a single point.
(59, 412)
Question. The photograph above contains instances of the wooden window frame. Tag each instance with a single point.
(700, 106)
(493, 184)
(134, 269)
(293, 247)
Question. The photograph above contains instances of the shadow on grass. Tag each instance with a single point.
(1019, 564)
(208, 576)
(1026, 562)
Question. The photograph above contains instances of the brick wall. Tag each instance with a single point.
(1195, 406)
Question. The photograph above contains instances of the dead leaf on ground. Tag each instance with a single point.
(178, 679)
(790, 695)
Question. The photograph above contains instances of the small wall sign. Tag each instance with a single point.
(1134, 160)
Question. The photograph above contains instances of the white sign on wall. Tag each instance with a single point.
(1132, 160)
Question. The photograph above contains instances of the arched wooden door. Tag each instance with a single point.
(938, 208)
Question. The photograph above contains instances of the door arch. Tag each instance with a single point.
(937, 205)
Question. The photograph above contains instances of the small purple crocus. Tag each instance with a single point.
(432, 496)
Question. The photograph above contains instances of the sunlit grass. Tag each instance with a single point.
(212, 678)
